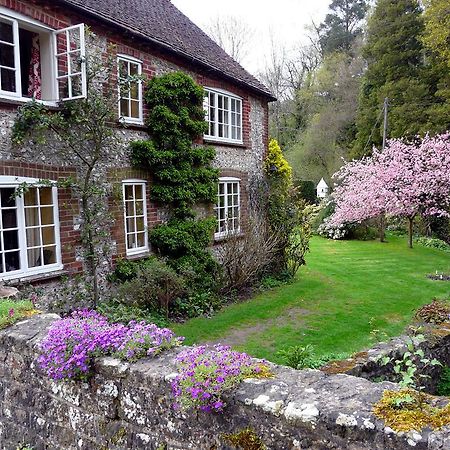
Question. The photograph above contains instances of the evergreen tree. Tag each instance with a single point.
(342, 25)
(396, 70)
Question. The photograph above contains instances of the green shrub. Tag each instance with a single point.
(154, 288)
(179, 238)
(194, 305)
(302, 357)
(119, 312)
(433, 243)
(443, 387)
(307, 190)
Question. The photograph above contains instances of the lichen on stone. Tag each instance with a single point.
(408, 410)
(245, 439)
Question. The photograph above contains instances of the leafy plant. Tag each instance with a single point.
(118, 312)
(155, 286)
(410, 366)
(433, 243)
(298, 357)
(443, 387)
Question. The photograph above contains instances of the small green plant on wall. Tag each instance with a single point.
(183, 176)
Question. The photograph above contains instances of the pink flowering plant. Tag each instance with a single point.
(72, 343)
(205, 374)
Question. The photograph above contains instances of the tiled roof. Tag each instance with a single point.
(162, 23)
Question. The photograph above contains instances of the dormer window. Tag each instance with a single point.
(39, 63)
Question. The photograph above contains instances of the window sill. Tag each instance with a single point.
(224, 143)
(140, 255)
(222, 238)
(32, 278)
(19, 101)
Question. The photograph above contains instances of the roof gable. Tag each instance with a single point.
(161, 22)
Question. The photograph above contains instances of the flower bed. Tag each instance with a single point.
(73, 342)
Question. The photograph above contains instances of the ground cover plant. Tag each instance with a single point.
(72, 343)
(11, 311)
(205, 374)
(347, 289)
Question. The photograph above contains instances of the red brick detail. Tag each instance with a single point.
(67, 204)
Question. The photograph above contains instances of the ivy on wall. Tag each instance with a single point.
(183, 176)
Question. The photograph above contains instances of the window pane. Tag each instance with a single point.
(8, 78)
(32, 217)
(49, 255)
(123, 69)
(140, 224)
(12, 261)
(77, 88)
(48, 235)
(130, 225)
(129, 208)
(33, 237)
(9, 218)
(134, 113)
(6, 32)
(31, 197)
(141, 239)
(128, 192)
(131, 241)
(45, 196)
(11, 240)
(75, 63)
(34, 257)
(134, 69)
(7, 55)
(7, 197)
(124, 108)
(47, 215)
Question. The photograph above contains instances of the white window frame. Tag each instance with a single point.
(67, 53)
(215, 123)
(145, 248)
(21, 21)
(227, 181)
(25, 271)
(127, 119)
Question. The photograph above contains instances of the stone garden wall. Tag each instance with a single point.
(129, 407)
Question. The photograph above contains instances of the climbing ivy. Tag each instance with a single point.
(182, 171)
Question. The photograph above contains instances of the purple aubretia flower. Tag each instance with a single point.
(205, 374)
(72, 343)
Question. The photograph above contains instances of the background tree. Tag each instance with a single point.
(404, 180)
(342, 25)
(233, 35)
(394, 54)
(80, 133)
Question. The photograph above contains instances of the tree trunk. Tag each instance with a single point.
(382, 228)
(410, 231)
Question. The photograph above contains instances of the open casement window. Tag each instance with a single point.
(29, 231)
(37, 62)
(135, 215)
(223, 112)
(70, 53)
(130, 89)
(228, 207)
(10, 79)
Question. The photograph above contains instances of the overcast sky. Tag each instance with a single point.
(284, 19)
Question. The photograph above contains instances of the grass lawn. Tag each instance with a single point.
(348, 289)
(12, 311)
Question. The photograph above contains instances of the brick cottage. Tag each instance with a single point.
(42, 46)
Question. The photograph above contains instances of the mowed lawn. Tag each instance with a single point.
(348, 289)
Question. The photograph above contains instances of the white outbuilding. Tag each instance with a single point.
(322, 189)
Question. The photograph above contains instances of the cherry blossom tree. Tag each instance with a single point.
(405, 180)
